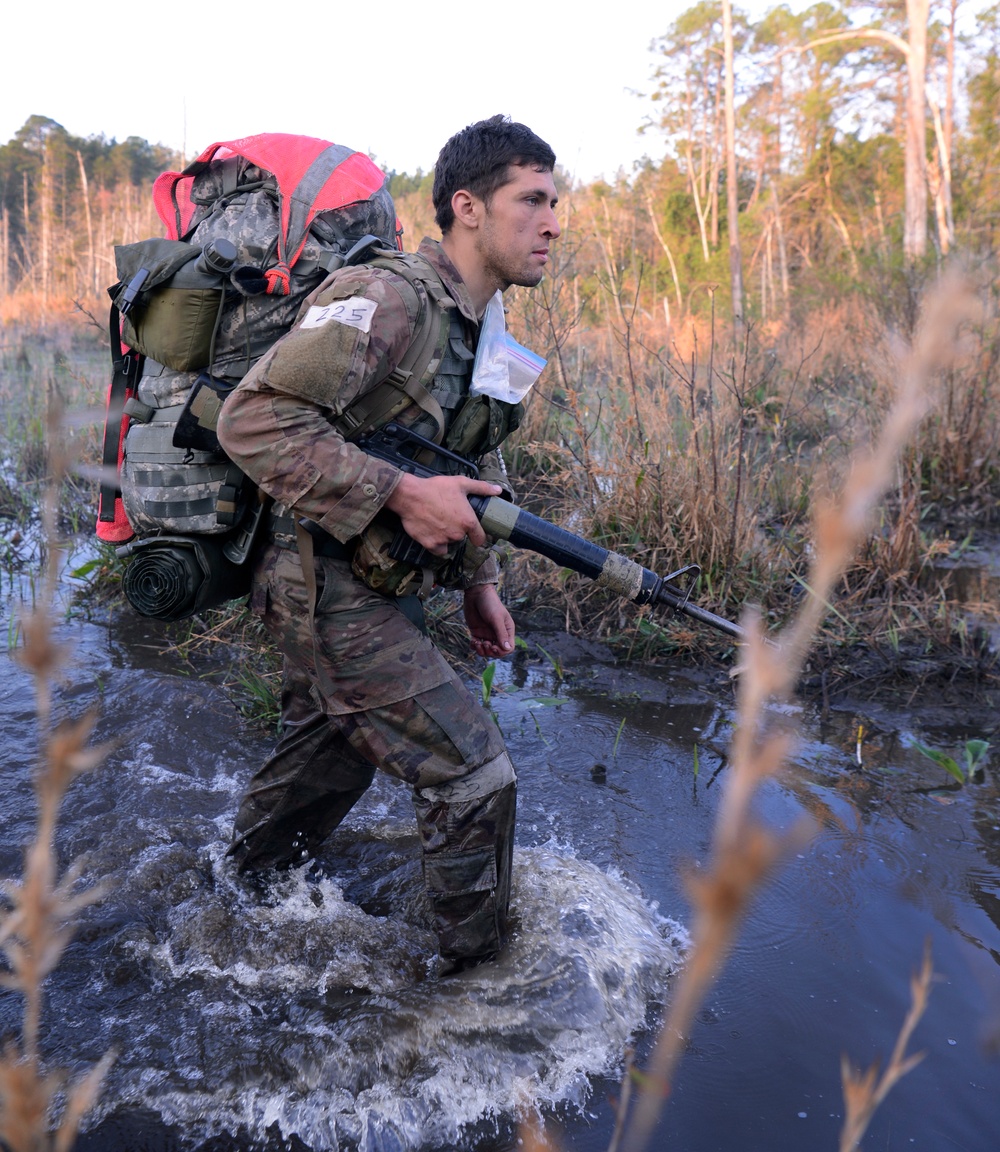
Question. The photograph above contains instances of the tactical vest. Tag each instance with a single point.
(437, 405)
(450, 384)
(434, 375)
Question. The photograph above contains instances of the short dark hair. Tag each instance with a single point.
(477, 159)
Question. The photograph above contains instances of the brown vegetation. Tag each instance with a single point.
(40, 1107)
(683, 446)
(660, 432)
(744, 850)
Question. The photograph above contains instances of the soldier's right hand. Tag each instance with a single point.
(436, 512)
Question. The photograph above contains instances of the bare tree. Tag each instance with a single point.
(915, 172)
(914, 52)
(944, 130)
(732, 187)
(91, 275)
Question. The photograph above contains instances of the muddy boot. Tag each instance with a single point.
(467, 834)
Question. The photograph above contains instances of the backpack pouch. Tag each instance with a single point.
(175, 327)
(168, 488)
(174, 315)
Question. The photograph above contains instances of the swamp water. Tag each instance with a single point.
(303, 1014)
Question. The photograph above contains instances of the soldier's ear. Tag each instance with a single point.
(468, 209)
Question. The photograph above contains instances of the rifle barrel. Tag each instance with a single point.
(611, 570)
(666, 596)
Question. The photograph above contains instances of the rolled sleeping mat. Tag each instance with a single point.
(172, 577)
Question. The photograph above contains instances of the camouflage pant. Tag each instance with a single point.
(364, 688)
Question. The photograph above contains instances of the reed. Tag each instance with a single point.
(41, 1107)
(744, 851)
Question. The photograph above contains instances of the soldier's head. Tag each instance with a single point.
(479, 160)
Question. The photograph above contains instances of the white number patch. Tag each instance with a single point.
(355, 313)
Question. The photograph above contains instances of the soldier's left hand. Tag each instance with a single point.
(490, 624)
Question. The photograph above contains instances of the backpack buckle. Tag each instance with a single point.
(132, 290)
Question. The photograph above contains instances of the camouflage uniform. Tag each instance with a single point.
(363, 686)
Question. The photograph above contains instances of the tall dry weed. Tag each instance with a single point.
(959, 445)
(41, 1108)
(865, 1091)
(744, 851)
(658, 457)
(710, 453)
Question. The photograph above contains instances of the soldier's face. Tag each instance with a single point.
(518, 226)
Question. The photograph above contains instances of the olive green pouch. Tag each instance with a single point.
(373, 565)
(174, 315)
(482, 424)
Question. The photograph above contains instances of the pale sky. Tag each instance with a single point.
(187, 75)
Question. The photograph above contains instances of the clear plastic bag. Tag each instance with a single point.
(503, 369)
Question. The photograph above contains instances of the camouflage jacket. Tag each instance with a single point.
(277, 425)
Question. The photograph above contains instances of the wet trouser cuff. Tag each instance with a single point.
(467, 832)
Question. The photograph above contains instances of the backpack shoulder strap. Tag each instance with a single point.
(407, 383)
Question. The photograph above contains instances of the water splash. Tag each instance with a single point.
(288, 1006)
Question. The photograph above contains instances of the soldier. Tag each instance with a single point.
(364, 687)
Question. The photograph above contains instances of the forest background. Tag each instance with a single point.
(722, 327)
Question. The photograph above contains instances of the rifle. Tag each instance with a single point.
(501, 519)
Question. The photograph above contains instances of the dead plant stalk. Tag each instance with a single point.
(865, 1091)
(40, 1111)
(743, 851)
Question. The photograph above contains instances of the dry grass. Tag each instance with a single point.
(40, 1107)
(865, 1091)
(32, 310)
(660, 472)
(714, 454)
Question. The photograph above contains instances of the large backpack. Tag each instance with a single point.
(253, 226)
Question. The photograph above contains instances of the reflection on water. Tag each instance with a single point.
(304, 1014)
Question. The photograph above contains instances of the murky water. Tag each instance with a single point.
(303, 1014)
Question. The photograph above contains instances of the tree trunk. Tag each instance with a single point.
(949, 95)
(915, 208)
(732, 187)
(91, 275)
(944, 134)
(782, 251)
(673, 267)
(4, 253)
(941, 184)
(45, 223)
(27, 258)
(699, 208)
